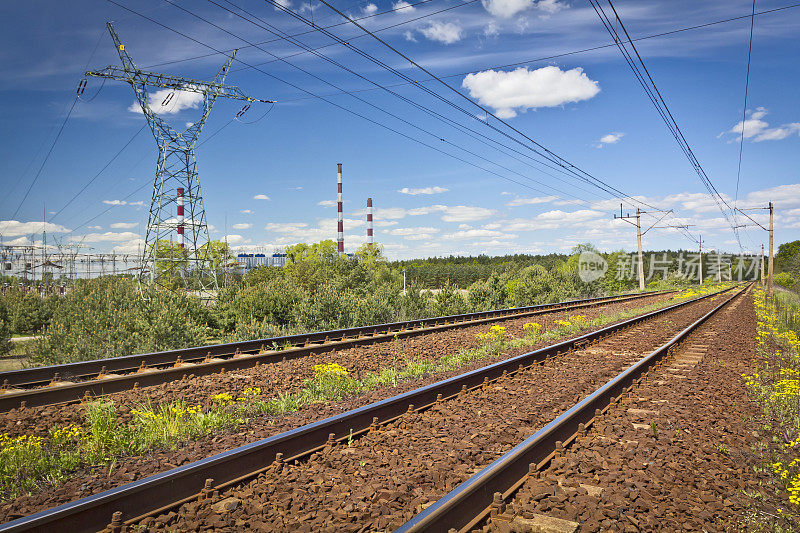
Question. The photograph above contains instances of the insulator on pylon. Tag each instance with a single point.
(242, 111)
(81, 86)
(168, 99)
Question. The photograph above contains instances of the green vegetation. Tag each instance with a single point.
(30, 463)
(787, 265)
(316, 290)
(775, 387)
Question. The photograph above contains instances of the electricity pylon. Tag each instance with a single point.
(176, 181)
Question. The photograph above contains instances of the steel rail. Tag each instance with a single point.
(479, 494)
(174, 487)
(52, 384)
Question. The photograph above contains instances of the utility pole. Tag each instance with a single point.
(719, 267)
(639, 234)
(176, 181)
(339, 219)
(770, 231)
(771, 255)
(701, 259)
(762, 265)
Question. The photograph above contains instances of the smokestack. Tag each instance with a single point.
(369, 223)
(180, 217)
(340, 229)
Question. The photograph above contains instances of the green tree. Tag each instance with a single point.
(172, 264)
(5, 329)
(788, 257)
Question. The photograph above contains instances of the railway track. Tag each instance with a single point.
(197, 486)
(485, 494)
(50, 385)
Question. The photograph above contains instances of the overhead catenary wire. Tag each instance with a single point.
(651, 90)
(95, 217)
(348, 110)
(537, 147)
(534, 145)
(328, 101)
(570, 53)
(373, 15)
(270, 28)
(744, 105)
(97, 175)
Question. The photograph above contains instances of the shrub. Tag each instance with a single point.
(28, 312)
(106, 317)
(5, 330)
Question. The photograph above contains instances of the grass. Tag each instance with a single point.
(775, 387)
(28, 464)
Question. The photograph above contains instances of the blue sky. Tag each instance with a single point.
(273, 182)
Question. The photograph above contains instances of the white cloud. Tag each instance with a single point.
(525, 89)
(140, 203)
(124, 225)
(410, 232)
(404, 6)
(133, 246)
(443, 32)
(327, 203)
(753, 127)
(94, 227)
(509, 8)
(409, 36)
(108, 236)
(242, 225)
(13, 228)
(370, 9)
(115, 202)
(457, 213)
(285, 227)
(783, 196)
(162, 103)
(611, 138)
(235, 239)
(384, 213)
(283, 3)
(572, 217)
(465, 213)
(424, 190)
(247, 211)
(531, 201)
(491, 29)
(477, 233)
(695, 201)
(19, 241)
(261, 197)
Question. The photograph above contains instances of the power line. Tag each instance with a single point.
(548, 154)
(744, 106)
(46, 157)
(566, 54)
(651, 90)
(360, 115)
(427, 110)
(537, 148)
(92, 180)
(203, 56)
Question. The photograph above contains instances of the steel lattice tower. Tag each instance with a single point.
(176, 181)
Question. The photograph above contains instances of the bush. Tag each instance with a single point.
(28, 312)
(106, 317)
(5, 330)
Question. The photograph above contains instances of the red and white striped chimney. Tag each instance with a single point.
(369, 223)
(340, 228)
(180, 217)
